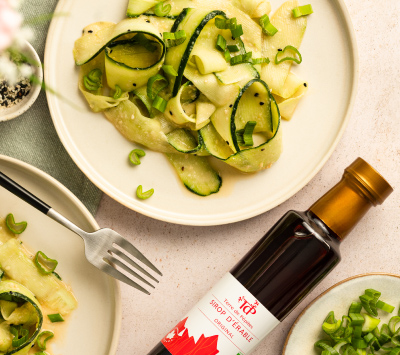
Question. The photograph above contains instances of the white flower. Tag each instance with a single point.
(10, 23)
(8, 69)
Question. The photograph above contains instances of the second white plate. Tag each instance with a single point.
(329, 66)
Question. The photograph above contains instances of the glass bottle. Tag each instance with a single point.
(278, 272)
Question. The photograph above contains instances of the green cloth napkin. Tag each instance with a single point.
(32, 137)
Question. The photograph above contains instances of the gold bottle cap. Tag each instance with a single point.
(342, 207)
(372, 181)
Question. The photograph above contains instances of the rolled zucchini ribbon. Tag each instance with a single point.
(106, 38)
(23, 318)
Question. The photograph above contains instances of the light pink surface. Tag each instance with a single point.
(194, 258)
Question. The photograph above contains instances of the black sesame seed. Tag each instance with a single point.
(280, 50)
(256, 94)
(230, 105)
(170, 112)
(233, 38)
(134, 84)
(183, 168)
(90, 31)
(227, 142)
(262, 149)
(305, 84)
(147, 21)
(261, 103)
(129, 30)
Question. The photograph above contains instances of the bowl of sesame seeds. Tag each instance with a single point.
(18, 97)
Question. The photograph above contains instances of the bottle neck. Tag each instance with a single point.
(342, 207)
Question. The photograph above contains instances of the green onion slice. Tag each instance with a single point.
(169, 70)
(294, 59)
(143, 195)
(55, 318)
(118, 92)
(160, 104)
(392, 324)
(134, 156)
(20, 335)
(227, 55)
(162, 10)
(331, 325)
(16, 228)
(237, 31)
(233, 48)
(225, 24)
(268, 28)
(90, 85)
(141, 39)
(43, 338)
(384, 307)
(356, 319)
(155, 84)
(245, 135)
(173, 39)
(302, 11)
(45, 265)
(242, 58)
(260, 60)
(326, 346)
(355, 307)
(369, 304)
(95, 75)
(359, 343)
(221, 43)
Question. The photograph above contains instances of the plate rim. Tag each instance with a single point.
(91, 220)
(324, 293)
(189, 220)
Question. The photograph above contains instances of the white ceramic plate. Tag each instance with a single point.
(329, 65)
(307, 327)
(95, 325)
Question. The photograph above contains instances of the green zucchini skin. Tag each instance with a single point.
(179, 19)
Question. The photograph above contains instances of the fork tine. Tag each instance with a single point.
(124, 244)
(107, 268)
(127, 269)
(130, 261)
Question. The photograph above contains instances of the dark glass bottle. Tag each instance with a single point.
(303, 247)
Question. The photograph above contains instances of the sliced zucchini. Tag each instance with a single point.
(290, 32)
(47, 288)
(288, 106)
(196, 173)
(176, 8)
(292, 84)
(183, 141)
(138, 7)
(237, 73)
(175, 111)
(192, 22)
(204, 110)
(130, 122)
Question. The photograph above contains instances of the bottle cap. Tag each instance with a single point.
(342, 207)
(372, 181)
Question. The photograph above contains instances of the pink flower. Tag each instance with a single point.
(10, 22)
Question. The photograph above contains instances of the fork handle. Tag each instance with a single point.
(23, 194)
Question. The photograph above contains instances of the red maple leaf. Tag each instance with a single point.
(179, 343)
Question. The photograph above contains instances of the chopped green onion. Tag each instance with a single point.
(356, 319)
(95, 75)
(330, 324)
(369, 304)
(370, 323)
(245, 135)
(169, 70)
(268, 28)
(384, 307)
(173, 39)
(225, 24)
(325, 345)
(118, 92)
(155, 84)
(16, 228)
(233, 48)
(134, 156)
(295, 50)
(302, 11)
(241, 58)
(392, 324)
(260, 60)
(20, 335)
(45, 265)
(143, 195)
(141, 39)
(90, 85)
(1, 274)
(237, 31)
(43, 338)
(359, 343)
(160, 104)
(221, 43)
(355, 307)
(162, 10)
(227, 55)
(54, 318)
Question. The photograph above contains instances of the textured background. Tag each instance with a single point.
(195, 258)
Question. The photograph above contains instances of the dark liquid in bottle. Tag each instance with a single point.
(286, 264)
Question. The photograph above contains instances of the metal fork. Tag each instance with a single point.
(101, 247)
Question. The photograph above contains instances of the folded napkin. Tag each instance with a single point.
(32, 137)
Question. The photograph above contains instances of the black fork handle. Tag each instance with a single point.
(23, 194)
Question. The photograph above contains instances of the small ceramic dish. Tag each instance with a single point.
(306, 330)
(22, 106)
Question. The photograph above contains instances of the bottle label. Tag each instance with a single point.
(229, 320)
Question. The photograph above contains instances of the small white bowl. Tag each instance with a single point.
(18, 109)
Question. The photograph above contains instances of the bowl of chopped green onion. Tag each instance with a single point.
(21, 86)
(357, 316)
